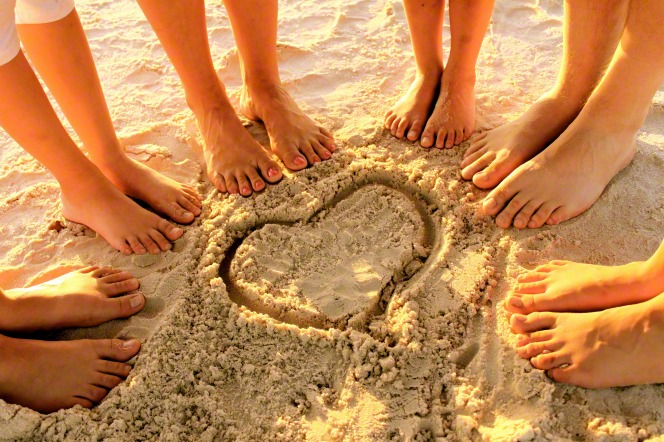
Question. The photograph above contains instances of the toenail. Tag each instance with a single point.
(412, 133)
(135, 301)
(245, 190)
(520, 318)
(516, 302)
(300, 160)
(425, 139)
(176, 230)
(490, 203)
(131, 343)
(272, 172)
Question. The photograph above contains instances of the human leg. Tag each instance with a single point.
(616, 347)
(453, 118)
(564, 286)
(59, 51)
(295, 138)
(49, 376)
(82, 298)
(87, 195)
(410, 113)
(591, 31)
(599, 143)
(236, 163)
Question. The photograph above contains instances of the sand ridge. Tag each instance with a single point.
(438, 364)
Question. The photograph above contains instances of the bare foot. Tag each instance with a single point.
(82, 298)
(49, 376)
(236, 163)
(493, 155)
(295, 138)
(563, 286)
(410, 113)
(179, 202)
(566, 178)
(615, 347)
(453, 117)
(123, 223)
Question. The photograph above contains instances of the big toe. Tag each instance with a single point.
(293, 159)
(270, 171)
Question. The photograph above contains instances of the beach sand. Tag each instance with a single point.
(378, 282)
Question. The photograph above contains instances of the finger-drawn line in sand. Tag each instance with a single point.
(350, 283)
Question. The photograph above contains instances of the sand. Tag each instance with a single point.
(358, 300)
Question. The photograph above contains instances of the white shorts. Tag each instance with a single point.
(13, 12)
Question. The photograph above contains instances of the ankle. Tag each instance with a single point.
(459, 80)
(433, 74)
(7, 312)
(207, 99)
(653, 270)
(263, 90)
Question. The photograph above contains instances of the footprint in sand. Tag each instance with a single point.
(337, 269)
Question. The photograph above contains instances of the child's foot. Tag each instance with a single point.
(49, 376)
(295, 138)
(495, 154)
(82, 298)
(566, 178)
(615, 347)
(167, 197)
(453, 118)
(563, 286)
(120, 221)
(410, 113)
(236, 163)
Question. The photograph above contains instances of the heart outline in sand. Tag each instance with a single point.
(400, 280)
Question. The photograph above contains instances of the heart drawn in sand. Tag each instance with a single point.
(337, 269)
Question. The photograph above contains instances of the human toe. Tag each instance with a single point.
(547, 361)
(294, 160)
(116, 349)
(245, 187)
(543, 213)
(506, 216)
(476, 163)
(321, 150)
(310, 154)
(427, 139)
(170, 231)
(136, 245)
(532, 322)
(534, 349)
(270, 171)
(523, 217)
(402, 127)
(415, 130)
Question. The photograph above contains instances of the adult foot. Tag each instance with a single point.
(453, 118)
(179, 202)
(609, 348)
(49, 376)
(411, 112)
(566, 178)
(235, 162)
(295, 138)
(493, 155)
(563, 286)
(82, 298)
(119, 220)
